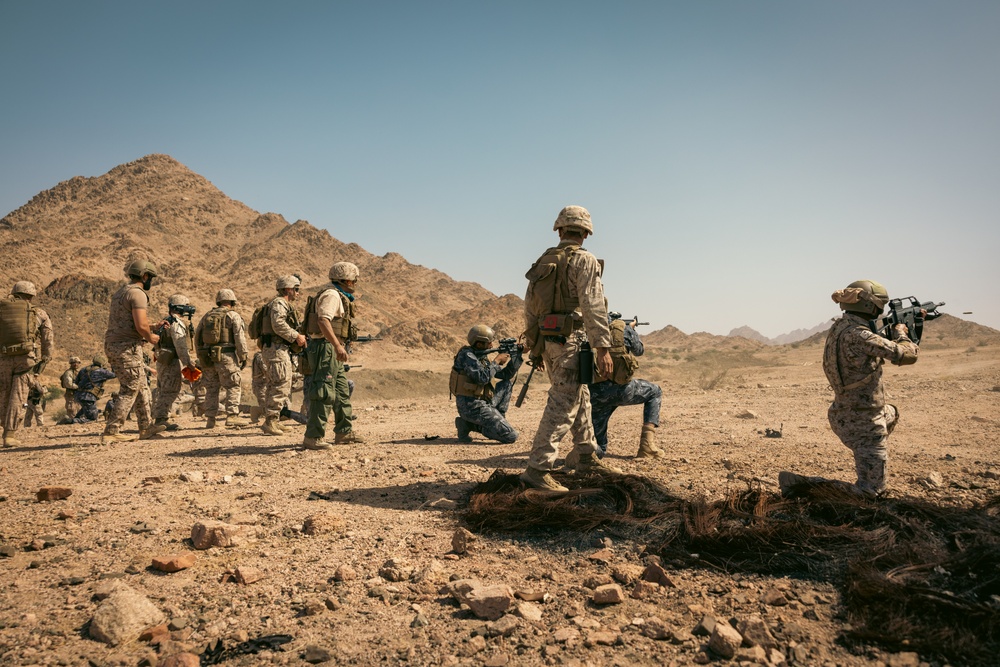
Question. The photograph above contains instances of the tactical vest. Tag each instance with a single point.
(624, 363)
(343, 327)
(68, 379)
(831, 360)
(84, 382)
(459, 384)
(166, 349)
(550, 298)
(267, 329)
(18, 326)
(215, 329)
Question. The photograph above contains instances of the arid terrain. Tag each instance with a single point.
(350, 552)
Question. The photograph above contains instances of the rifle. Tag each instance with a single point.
(361, 339)
(913, 316)
(634, 322)
(524, 387)
(505, 346)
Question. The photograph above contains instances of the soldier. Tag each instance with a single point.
(621, 388)
(482, 406)
(329, 327)
(173, 353)
(281, 339)
(128, 329)
(222, 349)
(564, 309)
(23, 329)
(35, 407)
(852, 361)
(90, 382)
(68, 383)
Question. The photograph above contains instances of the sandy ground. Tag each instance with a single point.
(129, 505)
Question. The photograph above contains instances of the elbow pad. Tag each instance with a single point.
(908, 355)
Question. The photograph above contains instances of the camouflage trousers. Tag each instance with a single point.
(87, 413)
(258, 383)
(606, 397)
(866, 432)
(14, 388)
(278, 371)
(72, 405)
(567, 409)
(126, 363)
(168, 388)
(489, 417)
(223, 376)
(34, 413)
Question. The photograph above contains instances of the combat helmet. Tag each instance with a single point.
(574, 216)
(137, 267)
(480, 334)
(287, 282)
(178, 300)
(344, 271)
(871, 298)
(25, 287)
(99, 360)
(75, 360)
(225, 295)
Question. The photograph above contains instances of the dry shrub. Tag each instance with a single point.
(913, 574)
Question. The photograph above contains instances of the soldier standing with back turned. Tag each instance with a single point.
(222, 350)
(173, 354)
(279, 333)
(22, 328)
(68, 383)
(564, 309)
(128, 329)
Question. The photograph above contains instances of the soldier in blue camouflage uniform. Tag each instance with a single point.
(607, 395)
(852, 360)
(90, 382)
(482, 406)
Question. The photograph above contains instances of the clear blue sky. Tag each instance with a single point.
(741, 159)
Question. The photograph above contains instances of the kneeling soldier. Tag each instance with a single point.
(482, 406)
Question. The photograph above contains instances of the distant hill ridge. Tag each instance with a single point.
(793, 336)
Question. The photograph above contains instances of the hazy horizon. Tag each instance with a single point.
(741, 160)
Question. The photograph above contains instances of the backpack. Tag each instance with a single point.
(548, 291)
(18, 324)
(255, 328)
(213, 327)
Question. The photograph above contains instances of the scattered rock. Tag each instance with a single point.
(933, 481)
(756, 633)
(193, 476)
(433, 572)
(564, 635)
(7, 550)
(207, 534)
(316, 654)
(323, 523)
(657, 575)
(528, 611)
(725, 640)
(48, 493)
(644, 589)
(184, 659)
(608, 594)
(601, 638)
(123, 615)
(626, 575)
(395, 569)
(656, 628)
(155, 633)
(344, 573)
(905, 659)
(462, 540)
(245, 574)
(747, 414)
(174, 562)
(502, 627)
(602, 556)
(532, 596)
(774, 598)
(596, 580)
(705, 626)
(489, 602)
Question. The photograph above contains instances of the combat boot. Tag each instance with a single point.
(10, 441)
(315, 443)
(110, 438)
(348, 438)
(210, 422)
(463, 429)
(271, 427)
(542, 480)
(233, 421)
(589, 464)
(647, 444)
(256, 412)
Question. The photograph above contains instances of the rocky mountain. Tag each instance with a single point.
(74, 239)
(793, 336)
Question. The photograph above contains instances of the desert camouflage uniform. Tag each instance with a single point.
(15, 377)
(258, 379)
(568, 406)
(35, 410)
(859, 415)
(68, 383)
(199, 391)
(278, 358)
(225, 374)
(123, 347)
(607, 396)
(168, 368)
(487, 415)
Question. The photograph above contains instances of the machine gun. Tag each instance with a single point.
(913, 316)
(634, 322)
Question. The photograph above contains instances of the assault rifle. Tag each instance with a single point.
(505, 346)
(524, 387)
(634, 322)
(171, 318)
(361, 339)
(913, 316)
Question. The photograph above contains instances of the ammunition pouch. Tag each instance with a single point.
(557, 324)
(166, 357)
(460, 385)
